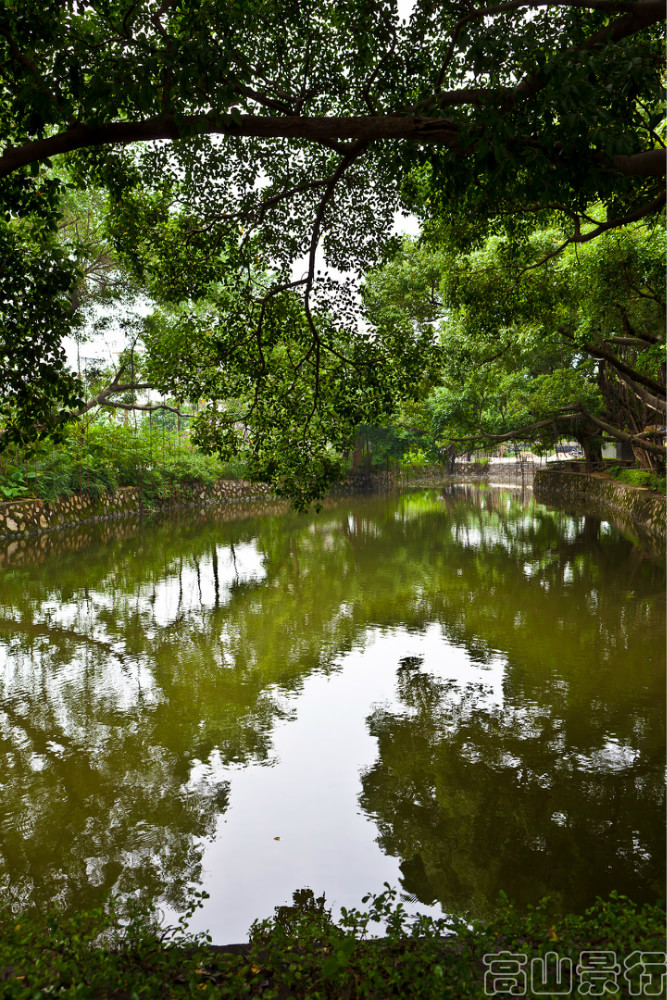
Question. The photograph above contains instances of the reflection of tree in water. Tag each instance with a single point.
(160, 647)
(103, 720)
(476, 799)
(95, 802)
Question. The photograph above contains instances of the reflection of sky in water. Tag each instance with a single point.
(307, 796)
(613, 756)
(235, 566)
(120, 678)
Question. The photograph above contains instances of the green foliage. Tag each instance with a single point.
(97, 953)
(416, 458)
(287, 130)
(37, 279)
(537, 340)
(389, 445)
(301, 952)
(286, 405)
(13, 485)
(96, 457)
(639, 477)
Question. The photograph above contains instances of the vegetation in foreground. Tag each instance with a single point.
(105, 455)
(301, 952)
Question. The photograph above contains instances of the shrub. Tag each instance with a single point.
(302, 953)
(639, 477)
(105, 455)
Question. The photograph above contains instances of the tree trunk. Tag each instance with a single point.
(592, 448)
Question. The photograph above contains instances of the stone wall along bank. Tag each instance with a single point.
(638, 508)
(26, 517)
(515, 473)
(19, 518)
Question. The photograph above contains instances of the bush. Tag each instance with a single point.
(105, 455)
(302, 953)
(639, 477)
(416, 458)
(13, 485)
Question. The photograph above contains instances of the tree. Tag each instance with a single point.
(84, 76)
(287, 406)
(37, 282)
(539, 341)
(304, 125)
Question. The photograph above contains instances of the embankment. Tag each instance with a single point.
(20, 518)
(631, 508)
(26, 517)
(640, 508)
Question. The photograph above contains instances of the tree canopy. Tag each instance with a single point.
(536, 345)
(549, 80)
(254, 156)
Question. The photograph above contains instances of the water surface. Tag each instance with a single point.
(456, 691)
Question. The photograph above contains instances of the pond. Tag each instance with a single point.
(457, 691)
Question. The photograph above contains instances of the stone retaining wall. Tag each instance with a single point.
(636, 507)
(495, 472)
(20, 518)
(38, 547)
(425, 475)
(372, 482)
(365, 482)
(25, 517)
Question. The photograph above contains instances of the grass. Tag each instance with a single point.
(302, 953)
(639, 477)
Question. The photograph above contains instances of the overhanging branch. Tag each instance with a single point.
(636, 439)
(321, 130)
(521, 432)
(145, 407)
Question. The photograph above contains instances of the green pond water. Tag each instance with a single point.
(456, 691)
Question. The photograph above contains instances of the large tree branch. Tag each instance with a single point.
(640, 14)
(264, 100)
(617, 222)
(598, 351)
(649, 208)
(146, 408)
(323, 130)
(169, 126)
(637, 15)
(650, 163)
(615, 432)
(657, 403)
(646, 11)
(25, 60)
(519, 433)
(640, 342)
(522, 432)
(115, 386)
